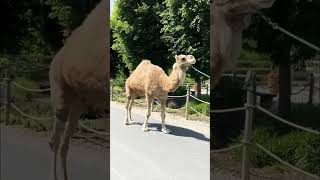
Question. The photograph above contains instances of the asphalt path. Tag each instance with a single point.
(26, 155)
(138, 155)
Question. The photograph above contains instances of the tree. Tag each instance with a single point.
(136, 31)
(117, 67)
(296, 17)
(186, 29)
(70, 14)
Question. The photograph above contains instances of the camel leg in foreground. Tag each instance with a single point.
(163, 116)
(145, 124)
(129, 104)
(71, 127)
(62, 111)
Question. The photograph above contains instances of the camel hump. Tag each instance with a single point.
(144, 62)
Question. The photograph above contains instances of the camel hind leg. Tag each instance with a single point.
(61, 108)
(59, 127)
(73, 119)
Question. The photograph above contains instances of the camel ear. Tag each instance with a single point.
(176, 57)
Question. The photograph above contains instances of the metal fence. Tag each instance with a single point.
(7, 103)
(187, 106)
(246, 143)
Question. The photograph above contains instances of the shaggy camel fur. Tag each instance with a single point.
(228, 18)
(152, 82)
(79, 77)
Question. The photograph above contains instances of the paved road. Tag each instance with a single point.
(138, 155)
(26, 156)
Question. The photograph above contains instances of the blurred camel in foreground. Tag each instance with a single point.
(79, 79)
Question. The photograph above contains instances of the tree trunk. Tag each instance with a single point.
(284, 84)
(198, 87)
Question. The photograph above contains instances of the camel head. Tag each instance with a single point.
(228, 20)
(184, 61)
(180, 68)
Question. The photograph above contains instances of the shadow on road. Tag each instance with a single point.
(179, 131)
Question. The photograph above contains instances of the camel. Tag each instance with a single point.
(152, 82)
(228, 19)
(79, 76)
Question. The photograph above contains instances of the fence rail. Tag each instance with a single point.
(228, 110)
(30, 89)
(8, 104)
(246, 142)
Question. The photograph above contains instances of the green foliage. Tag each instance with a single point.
(301, 149)
(199, 106)
(181, 90)
(34, 108)
(158, 30)
(306, 115)
(4, 62)
(186, 30)
(33, 41)
(253, 56)
(228, 93)
(294, 16)
(20, 93)
(62, 11)
(136, 31)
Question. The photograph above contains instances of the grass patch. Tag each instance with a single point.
(299, 148)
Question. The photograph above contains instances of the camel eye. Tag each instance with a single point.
(183, 59)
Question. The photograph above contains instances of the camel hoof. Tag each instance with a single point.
(145, 129)
(166, 131)
(129, 122)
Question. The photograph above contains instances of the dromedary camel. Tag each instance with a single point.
(228, 19)
(79, 77)
(152, 82)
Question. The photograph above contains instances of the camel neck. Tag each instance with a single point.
(175, 78)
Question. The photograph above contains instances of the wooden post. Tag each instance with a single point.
(187, 100)
(111, 91)
(310, 102)
(207, 89)
(1, 96)
(251, 89)
(8, 97)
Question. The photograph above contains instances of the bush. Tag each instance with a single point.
(298, 148)
(17, 92)
(226, 126)
(199, 106)
(182, 90)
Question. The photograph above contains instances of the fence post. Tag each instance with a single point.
(207, 89)
(251, 89)
(187, 100)
(111, 91)
(8, 97)
(1, 95)
(310, 102)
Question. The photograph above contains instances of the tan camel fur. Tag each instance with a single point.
(152, 82)
(79, 77)
(228, 19)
